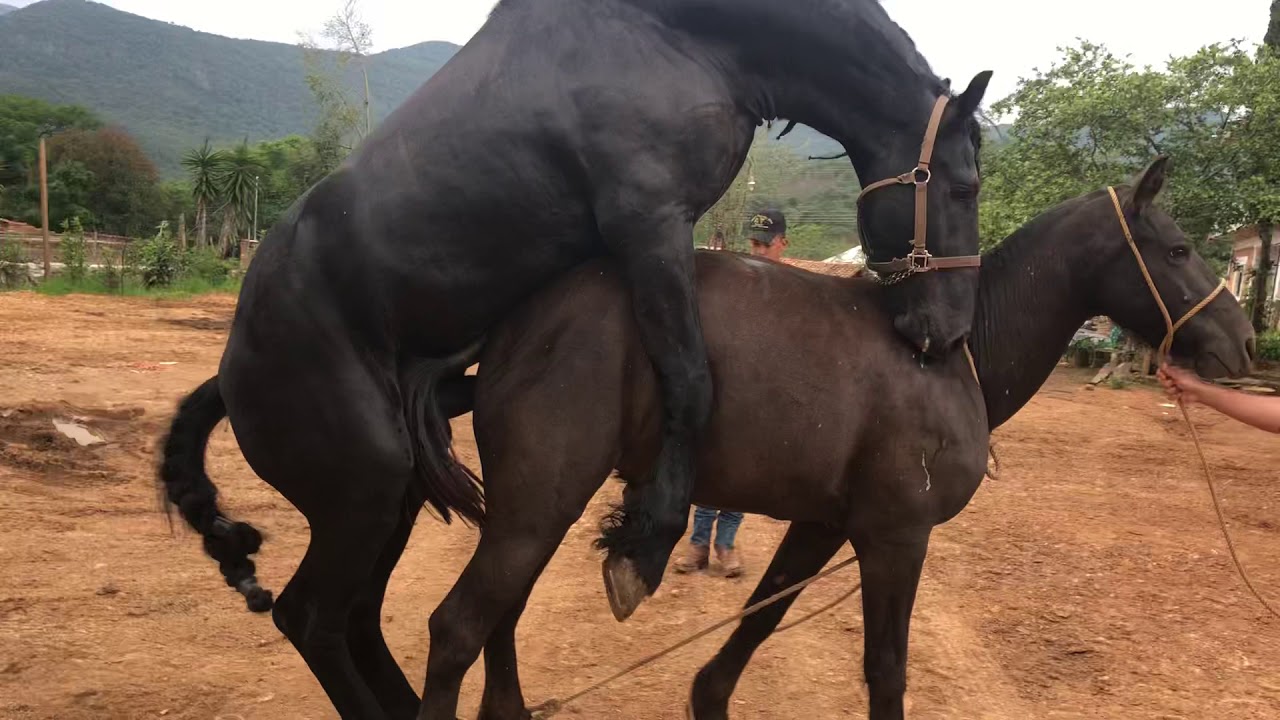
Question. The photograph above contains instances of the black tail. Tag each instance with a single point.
(187, 486)
(445, 484)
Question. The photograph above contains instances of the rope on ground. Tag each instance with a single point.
(553, 706)
(1222, 521)
(820, 610)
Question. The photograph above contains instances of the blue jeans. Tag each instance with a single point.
(726, 529)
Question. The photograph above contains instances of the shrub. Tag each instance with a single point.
(159, 259)
(207, 265)
(1269, 346)
(13, 266)
(73, 249)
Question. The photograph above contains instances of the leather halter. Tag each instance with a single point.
(919, 260)
(1171, 327)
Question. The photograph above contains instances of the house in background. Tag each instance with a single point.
(1246, 245)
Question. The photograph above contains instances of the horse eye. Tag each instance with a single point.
(1180, 253)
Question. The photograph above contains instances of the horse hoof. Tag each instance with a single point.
(623, 586)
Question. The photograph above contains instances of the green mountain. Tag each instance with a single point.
(172, 86)
(6, 8)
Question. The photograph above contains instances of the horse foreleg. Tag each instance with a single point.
(803, 552)
(655, 511)
(890, 568)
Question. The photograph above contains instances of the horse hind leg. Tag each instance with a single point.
(805, 549)
(486, 598)
(346, 467)
(503, 699)
(535, 492)
(368, 646)
(316, 607)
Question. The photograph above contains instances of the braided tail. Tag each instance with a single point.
(185, 484)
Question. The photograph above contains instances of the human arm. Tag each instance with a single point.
(1256, 410)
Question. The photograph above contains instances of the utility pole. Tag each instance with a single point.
(44, 210)
(254, 237)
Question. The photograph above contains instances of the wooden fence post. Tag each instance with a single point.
(44, 211)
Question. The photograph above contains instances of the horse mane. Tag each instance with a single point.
(1014, 249)
(799, 28)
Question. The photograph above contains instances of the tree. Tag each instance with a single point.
(818, 199)
(352, 38)
(1272, 38)
(22, 121)
(1093, 119)
(123, 195)
(290, 166)
(71, 187)
(343, 122)
(239, 181)
(206, 168)
(1265, 141)
(1090, 120)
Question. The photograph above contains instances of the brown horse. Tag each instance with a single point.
(822, 416)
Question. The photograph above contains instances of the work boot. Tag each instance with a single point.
(694, 560)
(729, 561)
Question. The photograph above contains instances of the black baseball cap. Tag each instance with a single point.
(765, 226)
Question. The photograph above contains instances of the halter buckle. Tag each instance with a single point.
(919, 175)
(918, 260)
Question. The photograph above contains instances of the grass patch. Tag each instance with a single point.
(96, 284)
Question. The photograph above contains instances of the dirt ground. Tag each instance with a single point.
(1089, 581)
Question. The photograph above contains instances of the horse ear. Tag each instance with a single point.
(969, 101)
(1150, 184)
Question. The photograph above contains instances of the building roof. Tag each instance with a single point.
(21, 228)
(1244, 232)
(852, 255)
(836, 269)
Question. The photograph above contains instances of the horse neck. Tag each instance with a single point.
(843, 68)
(1035, 291)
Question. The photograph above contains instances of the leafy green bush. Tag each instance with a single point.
(206, 265)
(74, 251)
(1269, 346)
(13, 266)
(109, 274)
(159, 259)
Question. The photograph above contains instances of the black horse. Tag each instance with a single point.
(863, 442)
(565, 130)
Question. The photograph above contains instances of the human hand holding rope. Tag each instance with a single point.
(1254, 410)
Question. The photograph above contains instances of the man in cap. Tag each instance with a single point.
(767, 232)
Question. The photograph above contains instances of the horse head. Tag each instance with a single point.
(1216, 337)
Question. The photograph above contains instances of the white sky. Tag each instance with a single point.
(959, 37)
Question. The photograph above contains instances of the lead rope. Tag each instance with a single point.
(553, 706)
(1161, 355)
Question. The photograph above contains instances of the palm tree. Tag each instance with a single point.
(207, 168)
(242, 169)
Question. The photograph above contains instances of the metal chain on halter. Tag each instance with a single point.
(1162, 354)
(892, 278)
